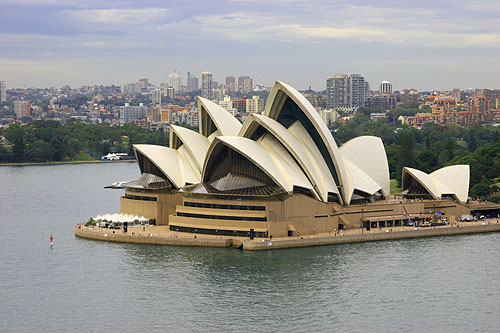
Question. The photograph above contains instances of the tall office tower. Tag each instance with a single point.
(192, 83)
(156, 96)
(386, 87)
(231, 83)
(174, 80)
(143, 82)
(359, 90)
(206, 85)
(338, 91)
(229, 80)
(247, 85)
(241, 82)
(3, 91)
(170, 92)
(22, 109)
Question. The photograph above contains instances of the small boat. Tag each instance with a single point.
(117, 184)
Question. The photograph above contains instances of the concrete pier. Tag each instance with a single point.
(155, 235)
(120, 237)
(367, 237)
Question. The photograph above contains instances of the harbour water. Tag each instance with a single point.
(436, 284)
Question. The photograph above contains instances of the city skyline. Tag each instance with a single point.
(426, 46)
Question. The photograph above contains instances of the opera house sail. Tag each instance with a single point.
(280, 173)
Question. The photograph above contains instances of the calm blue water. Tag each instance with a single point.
(448, 284)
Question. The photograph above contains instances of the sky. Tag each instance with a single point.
(426, 45)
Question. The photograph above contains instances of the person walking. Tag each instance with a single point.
(51, 240)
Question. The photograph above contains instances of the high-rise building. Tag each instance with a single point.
(227, 103)
(231, 83)
(174, 80)
(386, 101)
(156, 96)
(386, 87)
(170, 92)
(192, 83)
(255, 105)
(409, 96)
(490, 94)
(229, 80)
(338, 91)
(22, 109)
(206, 85)
(130, 113)
(359, 90)
(245, 84)
(3, 91)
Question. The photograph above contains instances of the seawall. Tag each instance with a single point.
(261, 245)
(367, 237)
(120, 237)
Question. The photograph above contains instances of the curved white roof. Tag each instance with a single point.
(424, 179)
(362, 181)
(456, 178)
(368, 154)
(322, 181)
(195, 143)
(192, 174)
(258, 155)
(170, 162)
(276, 149)
(452, 180)
(166, 159)
(273, 108)
(223, 120)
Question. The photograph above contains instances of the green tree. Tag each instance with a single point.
(15, 134)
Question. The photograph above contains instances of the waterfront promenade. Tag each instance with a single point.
(160, 235)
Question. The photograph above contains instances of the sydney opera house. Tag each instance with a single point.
(281, 174)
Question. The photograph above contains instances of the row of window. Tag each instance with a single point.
(236, 233)
(222, 217)
(221, 206)
(139, 197)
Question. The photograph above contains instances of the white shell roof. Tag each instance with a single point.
(312, 150)
(319, 124)
(322, 181)
(223, 120)
(279, 152)
(452, 180)
(170, 162)
(456, 178)
(368, 154)
(258, 155)
(424, 179)
(362, 181)
(195, 143)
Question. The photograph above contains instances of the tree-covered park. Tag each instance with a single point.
(48, 140)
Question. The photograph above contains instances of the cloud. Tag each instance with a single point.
(381, 26)
(116, 16)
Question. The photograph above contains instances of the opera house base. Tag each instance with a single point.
(182, 239)
(297, 220)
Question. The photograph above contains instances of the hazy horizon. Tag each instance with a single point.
(427, 46)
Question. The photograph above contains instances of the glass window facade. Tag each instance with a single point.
(223, 206)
